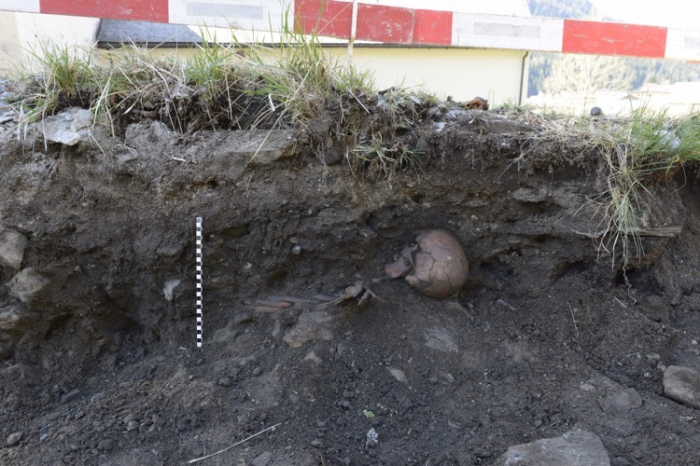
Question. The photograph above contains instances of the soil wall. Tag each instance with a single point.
(97, 314)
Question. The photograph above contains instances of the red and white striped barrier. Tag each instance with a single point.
(386, 21)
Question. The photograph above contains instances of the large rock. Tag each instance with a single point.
(27, 284)
(12, 245)
(68, 127)
(574, 448)
(682, 384)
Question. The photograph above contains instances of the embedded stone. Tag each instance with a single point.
(14, 439)
(15, 319)
(682, 384)
(27, 284)
(12, 245)
(311, 326)
(574, 448)
(624, 400)
(68, 127)
(440, 339)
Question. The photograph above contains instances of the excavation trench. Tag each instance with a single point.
(97, 308)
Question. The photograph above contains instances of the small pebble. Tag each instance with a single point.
(105, 444)
(224, 382)
(257, 371)
(263, 459)
(14, 439)
(133, 425)
(316, 443)
(454, 425)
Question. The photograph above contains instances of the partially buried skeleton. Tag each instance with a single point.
(435, 265)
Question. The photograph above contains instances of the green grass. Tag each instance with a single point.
(301, 77)
(230, 87)
(649, 148)
(64, 78)
(270, 85)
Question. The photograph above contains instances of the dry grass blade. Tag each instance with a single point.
(202, 458)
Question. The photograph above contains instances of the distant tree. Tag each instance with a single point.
(541, 62)
(561, 8)
(583, 75)
(539, 68)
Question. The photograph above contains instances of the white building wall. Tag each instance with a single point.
(495, 75)
(24, 33)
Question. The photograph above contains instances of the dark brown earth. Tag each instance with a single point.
(101, 368)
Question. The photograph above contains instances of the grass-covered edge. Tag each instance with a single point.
(299, 77)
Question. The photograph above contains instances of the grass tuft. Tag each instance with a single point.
(637, 153)
(65, 78)
(383, 160)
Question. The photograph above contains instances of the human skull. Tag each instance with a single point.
(435, 264)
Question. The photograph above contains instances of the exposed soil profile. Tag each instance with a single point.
(550, 334)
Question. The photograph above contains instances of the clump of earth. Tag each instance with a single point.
(547, 339)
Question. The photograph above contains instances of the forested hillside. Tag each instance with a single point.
(562, 8)
(632, 72)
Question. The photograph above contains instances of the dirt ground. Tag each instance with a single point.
(101, 366)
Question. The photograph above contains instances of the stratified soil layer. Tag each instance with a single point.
(97, 336)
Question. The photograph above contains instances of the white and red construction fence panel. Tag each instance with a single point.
(388, 21)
